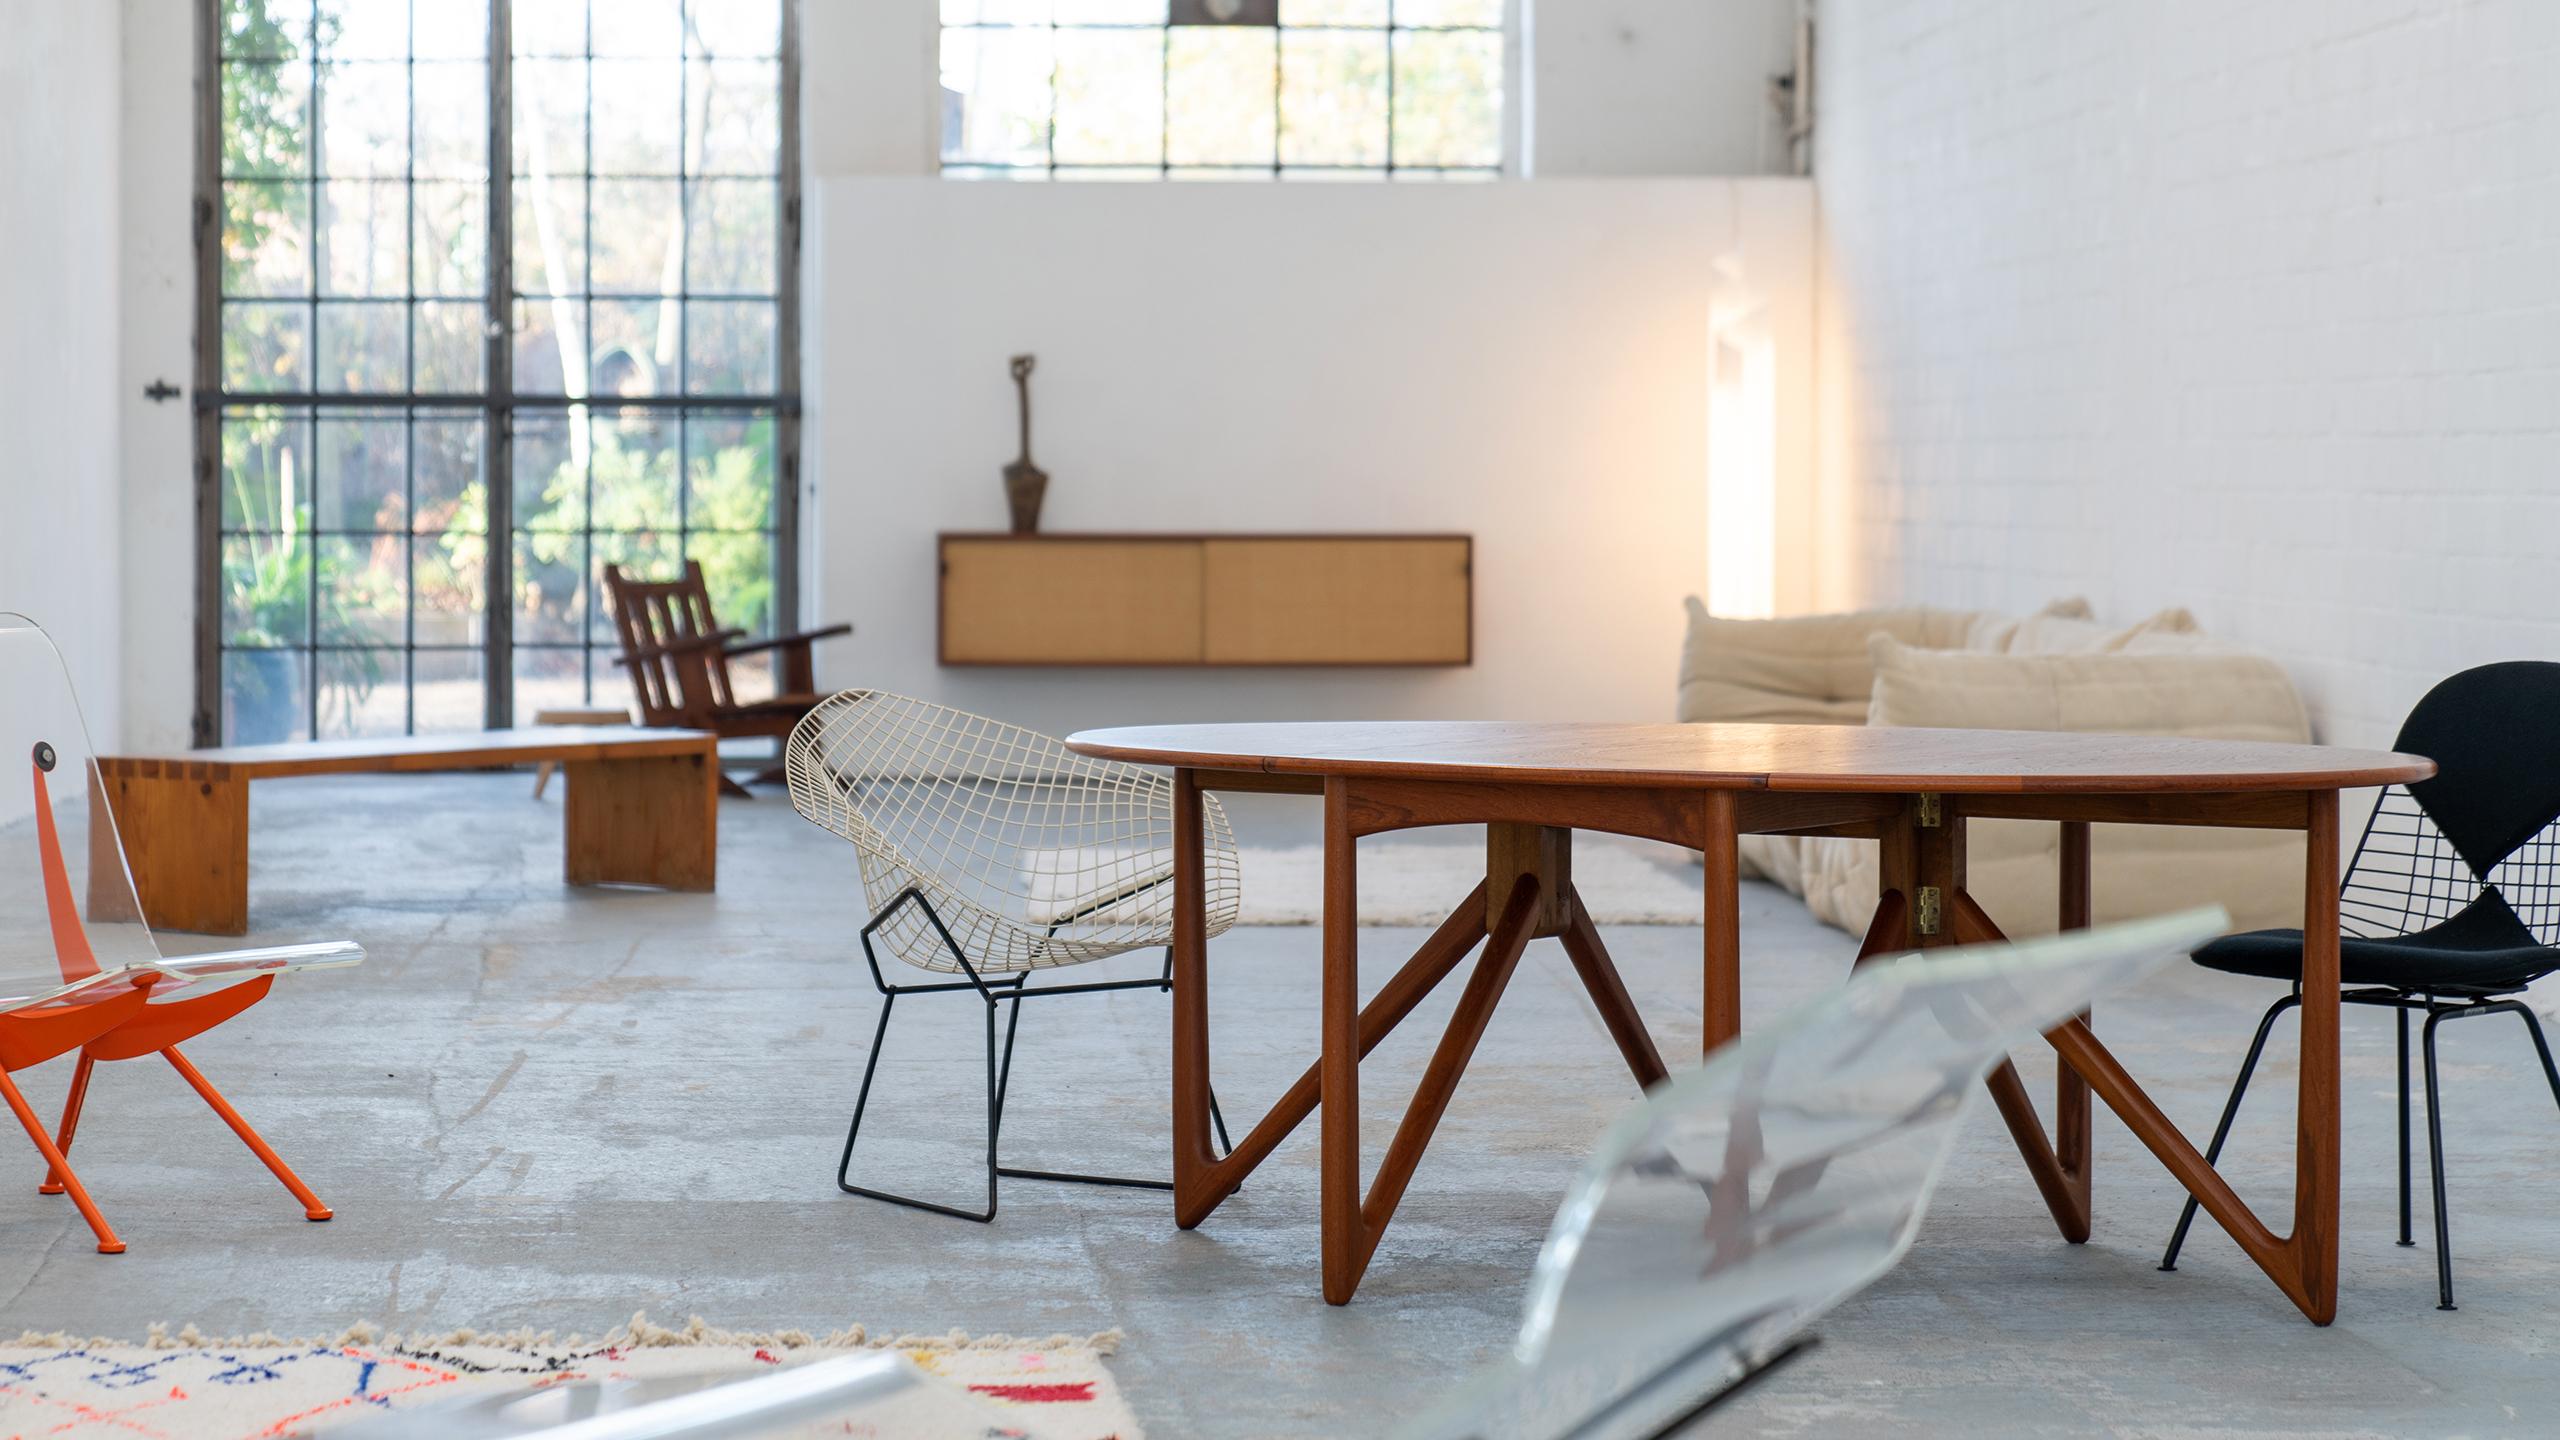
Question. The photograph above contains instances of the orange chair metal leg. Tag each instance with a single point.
(108, 1244)
(312, 1209)
(70, 1121)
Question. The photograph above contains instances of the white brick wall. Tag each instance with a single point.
(2253, 308)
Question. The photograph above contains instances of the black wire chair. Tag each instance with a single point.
(989, 852)
(2451, 906)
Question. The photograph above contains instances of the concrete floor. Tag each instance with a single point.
(545, 1107)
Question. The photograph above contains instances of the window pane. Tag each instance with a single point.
(364, 590)
(1336, 12)
(266, 696)
(449, 694)
(364, 348)
(729, 347)
(364, 237)
(551, 473)
(1487, 13)
(997, 12)
(556, 679)
(451, 128)
(451, 30)
(634, 226)
(266, 237)
(550, 116)
(639, 115)
(447, 571)
(734, 117)
(451, 241)
(732, 244)
(364, 118)
(1219, 96)
(271, 28)
(550, 346)
(266, 470)
(1109, 12)
(635, 472)
(362, 693)
(551, 236)
(728, 472)
(451, 356)
(1448, 98)
(266, 590)
(636, 27)
(549, 27)
(364, 29)
(634, 348)
(1333, 104)
(1110, 97)
(734, 28)
(551, 574)
(364, 470)
(996, 96)
(645, 556)
(738, 571)
(451, 479)
(266, 346)
(265, 120)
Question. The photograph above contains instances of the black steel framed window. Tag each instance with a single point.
(437, 395)
(1223, 89)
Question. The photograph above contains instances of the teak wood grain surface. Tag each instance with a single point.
(642, 808)
(1911, 790)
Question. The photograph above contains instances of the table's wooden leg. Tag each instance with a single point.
(2304, 1264)
(647, 821)
(2073, 1142)
(1722, 1003)
(1609, 994)
(1339, 1147)
(1193, 1157)
(186, 838)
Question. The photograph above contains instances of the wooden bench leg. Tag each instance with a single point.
(186, 839)
(652, 821)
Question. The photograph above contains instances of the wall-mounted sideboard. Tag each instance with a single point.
(1158, 599)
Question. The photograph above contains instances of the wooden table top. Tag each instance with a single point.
(470, 750)
(1830, 758)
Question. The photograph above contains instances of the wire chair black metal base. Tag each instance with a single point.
(1008, 993)
(2405, 1002)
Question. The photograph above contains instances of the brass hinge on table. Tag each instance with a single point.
(1932, 815)
(1932, 910)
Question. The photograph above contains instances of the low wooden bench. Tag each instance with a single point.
(643, 808)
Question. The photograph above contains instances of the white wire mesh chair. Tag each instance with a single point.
(79, 970)
(1734, 1205)
(990, 852)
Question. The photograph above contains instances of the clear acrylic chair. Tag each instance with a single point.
(1735, 1204)
(79, 970)
(885, 1394)
(991, 852)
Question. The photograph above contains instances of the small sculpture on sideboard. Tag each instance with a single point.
(1025, 484)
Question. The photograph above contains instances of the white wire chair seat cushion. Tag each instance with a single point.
(1030, 855)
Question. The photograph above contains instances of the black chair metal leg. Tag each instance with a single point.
(2222, 1131)
(2405, 1237)
(996, 1071)
(2435, 1156)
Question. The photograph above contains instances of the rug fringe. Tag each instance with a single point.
(639, 1333)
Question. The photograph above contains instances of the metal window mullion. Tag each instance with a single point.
(785, 518)
(409, 414)
(205, 726)
(497, 619)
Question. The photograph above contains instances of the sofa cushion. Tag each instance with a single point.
(1804, 670)
(2057, 630)
(2013, 866)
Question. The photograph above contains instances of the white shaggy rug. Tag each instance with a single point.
(187, 1387)
(1409, 882)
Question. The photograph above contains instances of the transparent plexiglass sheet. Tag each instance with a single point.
(852, 1395)
(48, 776)
(69, 919)
(1734, 1205)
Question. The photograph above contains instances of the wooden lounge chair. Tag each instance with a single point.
(678, 655)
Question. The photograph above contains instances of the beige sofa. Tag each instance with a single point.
(2058, 669)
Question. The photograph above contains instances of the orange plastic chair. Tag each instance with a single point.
(95, 982)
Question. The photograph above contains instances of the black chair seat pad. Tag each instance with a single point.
(2482, 950)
